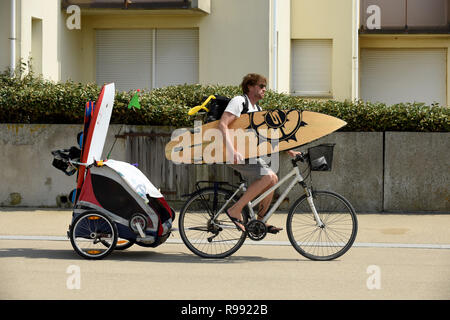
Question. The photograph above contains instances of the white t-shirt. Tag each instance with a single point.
(236, 105)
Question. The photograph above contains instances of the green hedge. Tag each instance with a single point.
(32, 99)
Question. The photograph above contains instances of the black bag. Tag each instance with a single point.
(218, 105)
(62, 157)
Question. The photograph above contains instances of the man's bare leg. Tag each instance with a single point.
(255, 189)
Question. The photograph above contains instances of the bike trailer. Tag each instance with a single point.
(115, 205)
(122, 192)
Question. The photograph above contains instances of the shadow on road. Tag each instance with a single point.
(138, 256)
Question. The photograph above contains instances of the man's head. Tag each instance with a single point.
(254, 85)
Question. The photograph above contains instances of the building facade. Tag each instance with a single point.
(376, 50)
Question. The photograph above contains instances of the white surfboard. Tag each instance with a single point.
(100, 124)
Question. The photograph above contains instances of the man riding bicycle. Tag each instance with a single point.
(254, 88)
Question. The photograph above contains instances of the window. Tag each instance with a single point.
(404, 75)
(311, 68)
(149, 58)
(176, 57)
(36, 45)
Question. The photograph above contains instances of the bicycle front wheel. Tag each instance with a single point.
(326, 242)
(204, 233)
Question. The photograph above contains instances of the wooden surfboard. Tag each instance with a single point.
(96, 129)
(254, 134)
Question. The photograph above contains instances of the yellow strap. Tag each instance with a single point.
(196, 109)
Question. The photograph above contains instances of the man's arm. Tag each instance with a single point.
(224, 123)
(293, 153)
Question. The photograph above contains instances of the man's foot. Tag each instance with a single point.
(238, 223)
(273, 229)
(270, 228)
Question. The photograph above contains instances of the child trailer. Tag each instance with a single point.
(115, 205)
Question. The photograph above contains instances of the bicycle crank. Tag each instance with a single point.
(256, 230)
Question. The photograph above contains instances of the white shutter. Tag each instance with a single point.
(176, 57)
(311, 67)
(124, 57)
(403, 75)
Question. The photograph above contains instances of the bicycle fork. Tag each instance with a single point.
(309, 197)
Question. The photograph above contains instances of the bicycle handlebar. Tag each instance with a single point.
(302, 157)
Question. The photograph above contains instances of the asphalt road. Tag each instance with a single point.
(394, 257)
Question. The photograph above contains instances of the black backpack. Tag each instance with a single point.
(218, 105)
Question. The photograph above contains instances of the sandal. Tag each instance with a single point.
(273, 229)
(236, 221)
(270, 228)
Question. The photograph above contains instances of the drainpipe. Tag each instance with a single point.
(13, 37)
(275, 48)
(355, 51)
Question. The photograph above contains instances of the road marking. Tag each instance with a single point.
(45, 238)
(259, 243)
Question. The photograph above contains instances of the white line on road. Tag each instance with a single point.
(46, 238)
(250, 242)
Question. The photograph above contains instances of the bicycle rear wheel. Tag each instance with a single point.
(322, 243)
(204, 235)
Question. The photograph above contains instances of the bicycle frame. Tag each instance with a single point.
(296, 178)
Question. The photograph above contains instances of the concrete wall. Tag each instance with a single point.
(376, 172)
(417, 171)
(27, 175)
(357, 171)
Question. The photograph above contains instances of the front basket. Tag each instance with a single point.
(321, 157)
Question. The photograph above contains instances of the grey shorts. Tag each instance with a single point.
(252, 171)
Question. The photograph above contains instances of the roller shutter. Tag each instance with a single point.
(138, 59)
(403, 75)
(125, 58)
(311, 67)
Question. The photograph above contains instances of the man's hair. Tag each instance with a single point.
(250, 80)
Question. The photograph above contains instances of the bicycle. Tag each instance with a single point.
(321, 225)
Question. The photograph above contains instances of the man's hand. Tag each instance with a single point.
(293, 154)
(238, 158)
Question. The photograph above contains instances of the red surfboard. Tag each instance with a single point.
(96, 123)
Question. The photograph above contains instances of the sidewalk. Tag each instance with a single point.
(372, 228)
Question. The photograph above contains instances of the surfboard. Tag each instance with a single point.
(254, 134)
(95, 130)
(88, 111)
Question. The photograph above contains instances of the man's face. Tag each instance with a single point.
(258, 90)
